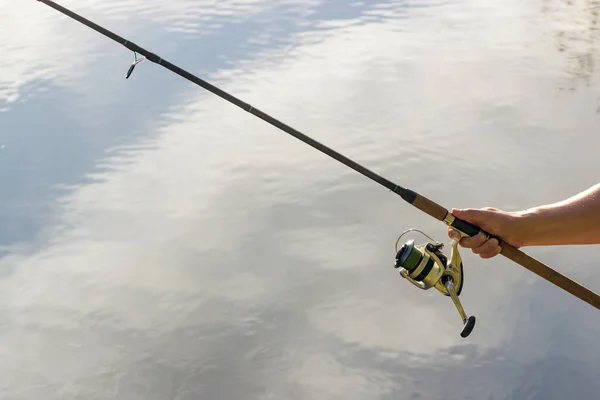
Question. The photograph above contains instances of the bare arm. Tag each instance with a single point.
(575, 220)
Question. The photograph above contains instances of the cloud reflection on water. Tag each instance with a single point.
(224, 258)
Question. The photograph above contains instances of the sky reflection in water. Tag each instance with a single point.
(160, 243)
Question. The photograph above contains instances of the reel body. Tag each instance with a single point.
(426, 267)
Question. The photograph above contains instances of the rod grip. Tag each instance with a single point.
(551, 275)
(466, 227)
(430, 207)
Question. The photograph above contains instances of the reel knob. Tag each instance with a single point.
(468, 327)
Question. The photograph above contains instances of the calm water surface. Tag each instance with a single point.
(156, 242)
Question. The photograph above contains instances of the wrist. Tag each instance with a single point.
(531, 224)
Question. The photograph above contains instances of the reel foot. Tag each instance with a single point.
(468, 327)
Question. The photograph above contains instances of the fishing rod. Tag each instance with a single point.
(425, 265)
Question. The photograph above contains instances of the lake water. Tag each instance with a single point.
(157, 242)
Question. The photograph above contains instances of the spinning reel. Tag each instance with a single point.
(425, 266)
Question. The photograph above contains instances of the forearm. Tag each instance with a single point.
(575, 220)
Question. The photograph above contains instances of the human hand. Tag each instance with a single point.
(501, 224)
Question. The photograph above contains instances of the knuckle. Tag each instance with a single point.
(466, 242)
(489, 253)
(488, 247)
(479, 250)
(473, 241)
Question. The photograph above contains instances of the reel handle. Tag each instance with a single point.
(469, 322)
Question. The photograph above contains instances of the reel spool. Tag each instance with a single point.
(426, 267)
